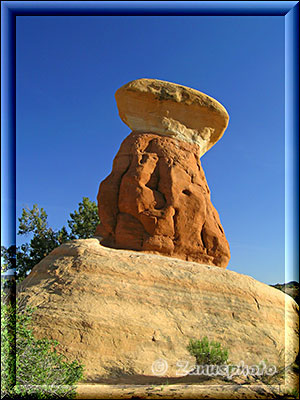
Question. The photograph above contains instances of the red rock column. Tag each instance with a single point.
(156, 198)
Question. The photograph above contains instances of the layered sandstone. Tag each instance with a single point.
(117, 311)
(156, 198)
(169, 109)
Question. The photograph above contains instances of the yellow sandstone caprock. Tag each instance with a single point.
(169, 109)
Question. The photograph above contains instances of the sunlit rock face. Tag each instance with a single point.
(169, 109)
(120, 310)
(156, 198)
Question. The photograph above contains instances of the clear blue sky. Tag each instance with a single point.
(68, 128)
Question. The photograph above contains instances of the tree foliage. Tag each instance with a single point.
(83, 222)
(30, 367)
(82, 225)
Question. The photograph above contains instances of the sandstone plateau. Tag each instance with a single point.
(156, 198)
(117, 311)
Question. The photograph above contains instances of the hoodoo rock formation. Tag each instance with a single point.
(156, 198)
(117, 309)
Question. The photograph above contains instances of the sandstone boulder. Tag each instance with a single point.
(157, 200)
(169, 109)
(118, 311)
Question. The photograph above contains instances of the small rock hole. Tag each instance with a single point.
(144, 159)
(186, 192)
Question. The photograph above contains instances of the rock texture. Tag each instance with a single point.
(118, 311)
(169, 109)
(156, 199)
(165, 390)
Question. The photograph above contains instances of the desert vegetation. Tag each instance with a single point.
(31, 367)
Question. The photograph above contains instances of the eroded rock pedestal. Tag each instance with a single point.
(156, 198)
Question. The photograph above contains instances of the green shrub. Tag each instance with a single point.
(207, 353)
(295, 393)
(30, 367)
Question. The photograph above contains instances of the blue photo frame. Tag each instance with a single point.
(289, 9)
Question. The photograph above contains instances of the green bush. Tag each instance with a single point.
(30, 367)
(207, 353)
